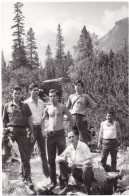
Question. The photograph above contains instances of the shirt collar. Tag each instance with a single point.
(78, 145)
(31, 100)
(12, 103)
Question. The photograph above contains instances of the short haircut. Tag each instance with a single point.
(17, 88)
(54, 91)
(110, 111)
(32, 86)
(79, 82)
(74, 131)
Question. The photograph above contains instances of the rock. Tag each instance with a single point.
(125, 192)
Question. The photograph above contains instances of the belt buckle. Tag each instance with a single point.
(51, 133)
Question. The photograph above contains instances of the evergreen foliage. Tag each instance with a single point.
(105, 75)
(19, 53)
(32, 55)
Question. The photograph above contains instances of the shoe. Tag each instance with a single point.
(66, 189)
(29, 183)
(29, 190)
(63, 183)
(89, 191)
(52, 185)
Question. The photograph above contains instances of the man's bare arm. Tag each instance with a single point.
(86, 162)
(119, 134)
(100, 135)
(43, 121)
(69, 104)
(69, 116)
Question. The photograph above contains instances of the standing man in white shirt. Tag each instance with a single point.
(78, 104)
(109, 136)
(78, 157)
(37, 108)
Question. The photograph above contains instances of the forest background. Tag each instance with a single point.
(105, 75)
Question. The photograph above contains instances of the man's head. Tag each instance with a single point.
(34, 90)
(16, 93)
(79, 86)
(110, 115)
(73, 136)
(53, 95)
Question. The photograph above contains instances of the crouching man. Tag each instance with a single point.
(78, 157)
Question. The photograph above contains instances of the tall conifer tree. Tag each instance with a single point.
(31, 48)
(19, 54)
(60, 55)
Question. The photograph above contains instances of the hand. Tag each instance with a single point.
(44, 134)
(59, 159)
(10, 129)
(73, 165)
(99, 145)
(32, 137)
(85, 119)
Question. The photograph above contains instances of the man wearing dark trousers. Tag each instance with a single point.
(37, 108)
(78, 157)
(16, 118)
(55, 134)
(109, 137)
(78, 104)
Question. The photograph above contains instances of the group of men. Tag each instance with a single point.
(76, 158)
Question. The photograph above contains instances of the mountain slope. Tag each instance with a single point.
(115, 38)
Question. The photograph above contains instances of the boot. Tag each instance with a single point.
(66, 189)
(63, 183)
(52, 185)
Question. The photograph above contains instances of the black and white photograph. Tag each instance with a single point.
(64, 98)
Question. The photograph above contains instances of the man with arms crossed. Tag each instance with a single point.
(78, 104)
(16, 118)
(55, 133)
(37, 108)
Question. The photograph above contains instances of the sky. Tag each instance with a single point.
(44, 17)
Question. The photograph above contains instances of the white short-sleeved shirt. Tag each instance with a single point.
(37, 110)
(81, 154)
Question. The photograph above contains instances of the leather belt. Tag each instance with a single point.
(51, 133)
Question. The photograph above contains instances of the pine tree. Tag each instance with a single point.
(60, 55)
(49, 70)
(19, 54)
(32, 55)
(84, 55)
(69, 62)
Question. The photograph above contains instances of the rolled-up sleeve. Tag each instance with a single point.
(28, 111)
(91, 102)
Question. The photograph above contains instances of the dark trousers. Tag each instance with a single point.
(55, 141)
(42, 148)
(84, 174)
(19, 135)
(81, 127)
(109, 146)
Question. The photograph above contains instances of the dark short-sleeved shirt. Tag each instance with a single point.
(16, 115)
(80, 103)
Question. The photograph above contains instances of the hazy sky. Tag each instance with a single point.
(44, 17)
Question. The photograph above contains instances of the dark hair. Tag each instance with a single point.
(54, 91)
(79, 82)
(110, 111)
(32, 86)
(74, 131)
(17, 88)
